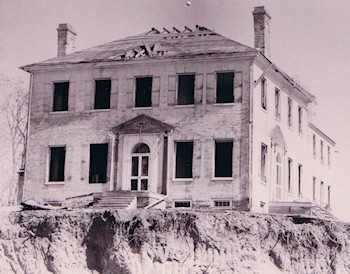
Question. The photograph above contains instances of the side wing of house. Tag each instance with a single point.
(283, 168)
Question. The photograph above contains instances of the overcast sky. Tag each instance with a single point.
(310, 40)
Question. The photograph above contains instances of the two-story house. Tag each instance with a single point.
(188, 117)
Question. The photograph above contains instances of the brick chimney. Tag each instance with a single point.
(65, 39)
(262, 30)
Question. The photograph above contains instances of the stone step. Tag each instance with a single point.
(115, 202)
(118, 193)
(320, 212)
(117, 198)
(110, 206)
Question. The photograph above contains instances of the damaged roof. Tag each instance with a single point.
(163, 44)
(155, 44)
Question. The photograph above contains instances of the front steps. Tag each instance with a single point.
(322, 213)
(117, 200)
(301, 208)
(126, 199)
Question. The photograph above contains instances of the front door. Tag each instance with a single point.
(140, 169)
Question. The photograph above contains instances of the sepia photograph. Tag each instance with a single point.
(174, 136)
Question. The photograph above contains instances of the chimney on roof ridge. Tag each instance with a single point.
(65, 39)
(262, 30)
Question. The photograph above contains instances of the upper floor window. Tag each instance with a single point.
(223, 158)
(278, 103)
(185, 91)
(224, 87)
(98, 163)
(143, 96)
(263, 162)
(300, 120)
(184, 159)
(321, 148)
(329, 155)
(102, 94)
(290, 112)
(57, 163)
(314, 153)
(263, 94)
(60, 96)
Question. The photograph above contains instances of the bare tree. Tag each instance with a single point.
(14, 111)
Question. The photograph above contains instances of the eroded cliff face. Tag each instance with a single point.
(154, 241)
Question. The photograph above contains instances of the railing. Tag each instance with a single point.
(156, 202)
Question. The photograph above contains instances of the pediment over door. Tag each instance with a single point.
(277, 137)
(144, 124)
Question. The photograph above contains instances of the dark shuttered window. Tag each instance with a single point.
(224, 87)
(102, 94)
(143, 97)
(60, 97)
(185, 95)
(98, 163)
(57, 160)
(184, 156)
(223, 158)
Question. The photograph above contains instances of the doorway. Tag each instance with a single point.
(139, 179)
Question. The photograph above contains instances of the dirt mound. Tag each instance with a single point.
(154, 241)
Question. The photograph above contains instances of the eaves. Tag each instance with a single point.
(42, 67)
(321, 133)
(303, 94)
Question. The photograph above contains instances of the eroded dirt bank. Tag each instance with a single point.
(169, 242)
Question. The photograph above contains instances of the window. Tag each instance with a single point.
(290, 112)
(263, 161)
(329, 196)
(314, 189)
(185, 92)
(143, 97)
(329, 155)
(186, 204)
(278, 103)
(60, 96)
(102, 94)
(290, 170)
(184, 158)
(321, 193)
(300, 178)
(278, 177)
(57, 160)
(98, 163)
(224, 87)
(263, 94)
(222, 203)
(223, 158)
(321, 147)
(300, 120)
(314, 145)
